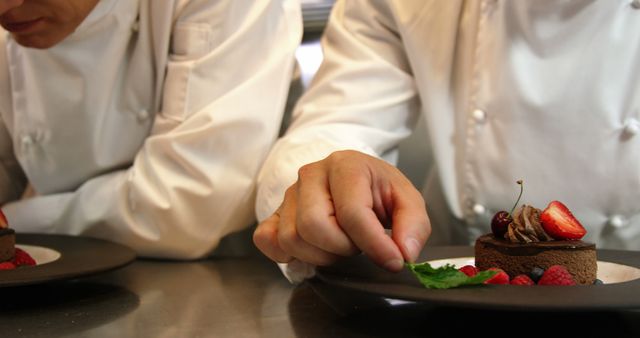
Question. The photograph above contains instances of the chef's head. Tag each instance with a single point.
(43, 23)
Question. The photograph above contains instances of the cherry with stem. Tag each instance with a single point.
(501, 220)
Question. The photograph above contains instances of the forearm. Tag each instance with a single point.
(363, 98)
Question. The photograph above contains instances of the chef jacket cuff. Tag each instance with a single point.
(297, 271)
(39, 214)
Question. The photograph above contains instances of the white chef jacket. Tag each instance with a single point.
(546, 91)
(149, 123)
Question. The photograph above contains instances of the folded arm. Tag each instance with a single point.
(192, 182)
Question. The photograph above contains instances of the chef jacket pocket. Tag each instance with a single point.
(191, 40)
(189, 43)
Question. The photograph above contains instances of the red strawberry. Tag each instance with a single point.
(21, 257)
(3, 220)
(559, 222)
(556, 275)
(469, 270)
(522, 280)
(7, 266)
(500, 278)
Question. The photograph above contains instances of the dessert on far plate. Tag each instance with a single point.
(10, 256)
(532, 239)
(7, 240)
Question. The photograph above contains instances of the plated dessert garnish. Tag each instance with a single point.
(531, 239)
(448, 276)
(526, 246)
(10, 256)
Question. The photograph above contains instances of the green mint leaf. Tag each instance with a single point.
(447, 276)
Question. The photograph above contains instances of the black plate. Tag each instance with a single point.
(357, 274)
(80, 256)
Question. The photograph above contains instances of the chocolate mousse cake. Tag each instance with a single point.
(7, 244)
(538, 239)
(10, 256)
(7, 240)
(520, 258)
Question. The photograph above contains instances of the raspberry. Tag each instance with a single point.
(23, 258)
(522, 280)
(469, 270)
(556, 275)
(7, 266)
(500, 278)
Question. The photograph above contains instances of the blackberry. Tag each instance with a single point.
(536, 273)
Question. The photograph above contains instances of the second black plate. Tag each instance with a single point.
(65, 257)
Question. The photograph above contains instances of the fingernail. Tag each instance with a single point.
(413, 248)
(394, 264)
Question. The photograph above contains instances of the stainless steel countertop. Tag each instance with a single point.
(210, 298)
(248, 297)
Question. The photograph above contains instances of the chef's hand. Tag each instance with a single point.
(340, 206)
(6, 5)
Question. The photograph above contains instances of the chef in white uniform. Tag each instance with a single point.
(141, 121)
(546, 91)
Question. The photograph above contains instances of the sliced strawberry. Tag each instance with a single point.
(559, 222)
(7, 266)
(21, 258)
(500, 278)
(3, 221)
(469, 270)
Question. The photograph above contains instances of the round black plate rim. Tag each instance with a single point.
(80, 257)
(366, 278)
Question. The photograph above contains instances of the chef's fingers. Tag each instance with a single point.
(289, 239)
(315, 217)
(265, 237)
(351, 182)
(410, 224)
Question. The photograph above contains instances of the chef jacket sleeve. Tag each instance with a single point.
(193, 181)
(362, 98)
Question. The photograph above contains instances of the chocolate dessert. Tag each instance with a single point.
(7, 244)
(10, 256)
(521, 258)
(533, 239)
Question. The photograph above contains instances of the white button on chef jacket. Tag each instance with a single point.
(617, 221)
(479, 209)
(631, 127)
(26, 141)
(143, 115)
(479, 115)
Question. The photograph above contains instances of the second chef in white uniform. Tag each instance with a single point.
(147, 122)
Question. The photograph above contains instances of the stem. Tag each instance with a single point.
(515, 205)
